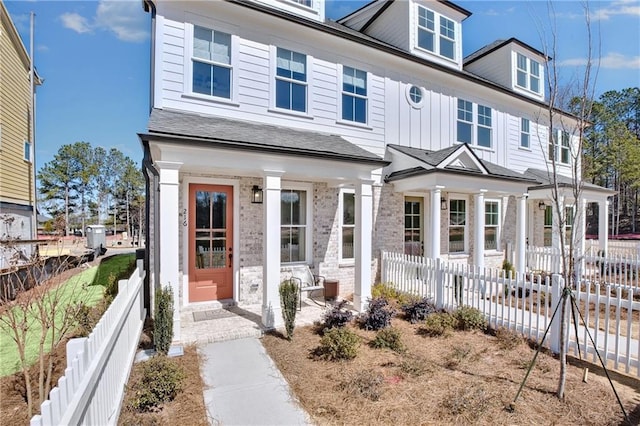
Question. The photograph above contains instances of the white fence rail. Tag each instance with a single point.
(526, 303)
(98, 366)
(615, 247)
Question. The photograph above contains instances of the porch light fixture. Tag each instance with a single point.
(256, 195)
(542, 205)
(443, 203)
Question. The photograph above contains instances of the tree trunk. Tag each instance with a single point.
(563, 346)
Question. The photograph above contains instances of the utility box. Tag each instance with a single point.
(96, 237)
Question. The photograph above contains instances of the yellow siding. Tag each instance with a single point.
(15, 172)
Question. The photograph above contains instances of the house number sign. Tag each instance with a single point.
(184, 217)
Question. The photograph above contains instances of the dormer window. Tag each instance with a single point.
(527, 73)
(436, 33)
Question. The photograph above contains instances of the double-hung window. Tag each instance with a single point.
(27, 151)
(562, 151)
(527, 73)
(525, 133)
(548, 226)
(211, 62)
(291, 80)
(436, 33)
(483, 124)
(457, 225)
(354, 95)
(569, 217)
(348, 225)
(293, 225)
(491, 224)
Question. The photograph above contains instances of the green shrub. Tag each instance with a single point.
(439, 324)
(418, 310)
(111, 288)
(384, 290)
(389, 338)
(289, 294)
(337, 316)
(469, 319)
(161, 380)
(507, 267)
(163, 322)
(338, 343)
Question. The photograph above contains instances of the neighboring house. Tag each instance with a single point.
(17, 186)
(278, 138)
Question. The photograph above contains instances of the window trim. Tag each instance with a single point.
(341, 92)
(437, 33)
(455, 197)
(547, 226)
(528, 73)
(475, 124)
(348, 260)
(557, 147)
(273, 77)
(195, 20)
(308, 187)
(497, 226)
(416, 105)
(28, 152)
(525, 133)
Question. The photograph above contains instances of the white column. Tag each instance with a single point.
(362, 244)
(434, 232)
(478, 239)
(271, 310)
(603, 226)
(521, 234)
(168, 242)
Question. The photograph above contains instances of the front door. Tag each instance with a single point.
(413, 226)
(210, 242)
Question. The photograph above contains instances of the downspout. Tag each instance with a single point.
(151, 179)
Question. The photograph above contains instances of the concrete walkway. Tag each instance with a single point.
(244, 387)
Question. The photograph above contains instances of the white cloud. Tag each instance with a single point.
(75, 22)
(124, 18)
(625, 7)
(610, 61)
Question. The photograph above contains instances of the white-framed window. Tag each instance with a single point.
(27, 151)
(457, 225)
(436, 33)
(295, 224)
(569, 213)
(491, 225)
(415, 96)
(548, 227)
(347, 224)
(560, 151)
(291, 80)
(306, 3)
(528, 73)
(354, 95)
(211, 63)
(525, 133)
(483, 136)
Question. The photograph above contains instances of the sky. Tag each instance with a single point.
(94, 57)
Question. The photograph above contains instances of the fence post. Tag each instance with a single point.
(556, 297)
(439, 278)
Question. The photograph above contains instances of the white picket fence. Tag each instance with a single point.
(615, 247)
(526, 303)
(98, 366)
(622, 270)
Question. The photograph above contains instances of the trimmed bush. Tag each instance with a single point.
(163, 323)
(338, 343)
(162, 379)
(337, 316)
(469, 319)
(389, 338)
(439, 324)
(384, 290)
(378, 315)
(289, 302)
(418, 310)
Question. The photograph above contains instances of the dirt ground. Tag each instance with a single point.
(469, 378)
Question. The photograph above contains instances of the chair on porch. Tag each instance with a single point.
(309, 281)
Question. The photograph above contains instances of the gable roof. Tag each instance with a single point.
(170, 125)
(436, 161)
(381, 5)
(498, 44)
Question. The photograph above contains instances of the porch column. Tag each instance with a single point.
(521, 234)
(362, 244)
(478, 227)
(603, 226)
(168, 242)
(434, 246)
(271, 310)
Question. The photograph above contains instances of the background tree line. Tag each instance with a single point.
(84, 185)
(611, 155)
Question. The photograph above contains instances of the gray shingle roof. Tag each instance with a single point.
(544, 179)
(256, 136)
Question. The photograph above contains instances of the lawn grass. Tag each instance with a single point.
(87, 286)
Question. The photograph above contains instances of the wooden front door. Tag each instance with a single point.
(210, 242)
